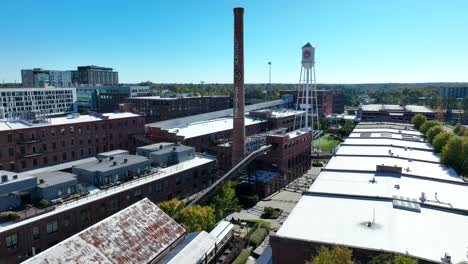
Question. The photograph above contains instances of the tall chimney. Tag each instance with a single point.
(238, 138)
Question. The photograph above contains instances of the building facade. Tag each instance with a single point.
(325, 101)
(158, 108)
(95, 75)
(393, 113)
(31, 145)
(40, 78)
(34, 103)
(106, 99)
(455, 92)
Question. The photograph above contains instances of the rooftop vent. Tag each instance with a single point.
(41, 181)
(125, 161)
(114, 163)
(405, 203)
(99, 160)
(4, 178)
(174, 148)
(15, 177)
(160, 146)
(111, 158)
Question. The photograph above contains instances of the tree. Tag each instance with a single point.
(193, 218)
(440, 140)
(418, 120)
(384, 258)
(401, 259)
(172, 207)
(336, 255)
(428, 124)
(348, 126)
(225, 201)
(433, 132)
(457, 128)
(197, 218)
(453, 153)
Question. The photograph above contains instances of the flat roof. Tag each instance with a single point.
(442, 194)
(113, 152)
(113, 163)
(400, 136)
(419, 109)
(177, 98)
(193, 250)
(137, 234)
(388, 152)
(161, 174)
(388, 142)
(54, 177)
(416, 168)
(61, 166)
(64, 120)
(210, 126)
(221, 229)
(427, 234)
(156, 146)
(176, 149)
(387, 130)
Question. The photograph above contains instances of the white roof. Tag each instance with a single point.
(162, 173)
(427, 234)
(386, 151)
(194, 252)
(417, 168)
(418, 109)
(19, 124)
(388, 142)
(286, 112)
(387, 185)
(387, 130)
(209, 127)
(221, 230)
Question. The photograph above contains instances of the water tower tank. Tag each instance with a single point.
(308, 56)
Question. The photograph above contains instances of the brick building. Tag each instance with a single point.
(158, 108)
(31, 145)
(19, 240)
(393, 113)
(289, 119)
(289, 159)
(205, 134)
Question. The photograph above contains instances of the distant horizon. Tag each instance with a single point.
(361, 41)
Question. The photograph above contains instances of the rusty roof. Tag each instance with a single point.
(137, 234)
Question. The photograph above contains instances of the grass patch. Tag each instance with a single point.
(326, 142)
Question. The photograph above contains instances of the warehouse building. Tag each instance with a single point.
(380, 198)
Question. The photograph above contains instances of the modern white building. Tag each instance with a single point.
(380, 195)
(34, 103)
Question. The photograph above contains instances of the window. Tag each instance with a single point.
(36, 234)
(44, 147)
(52, 227)
(85, 216)
(10, 138)
(11, 241)
(23, 164)
(158, 187)
(66, 220)
(11, 152)
(114, 204)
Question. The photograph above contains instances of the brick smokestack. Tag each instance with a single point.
(238, 141)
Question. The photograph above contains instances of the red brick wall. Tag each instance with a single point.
(79, 140)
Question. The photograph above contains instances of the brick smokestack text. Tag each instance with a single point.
(238, 141)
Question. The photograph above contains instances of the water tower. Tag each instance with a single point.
(307, 89)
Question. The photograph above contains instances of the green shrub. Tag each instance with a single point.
(44, 203)
(271, 213)
(243, 257)
(258, 223)
(258, 236)
(433, 132)
(8, 216)
(428, 124)
(248, 201)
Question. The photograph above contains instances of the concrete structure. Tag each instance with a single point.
(113, 170)
(393, 113)
(379, 198)
(171, 155)
(282, 118)
(146, 150)
(455, 92)
(141, 233)
(158, 108)
(15, 188)
(112, 153)
(31, 145)
(36, 103)
(95, 75)
(106, 99)
(238, 136)
(56, 184)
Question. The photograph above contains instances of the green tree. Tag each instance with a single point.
(172, 207)
(348, 126)
(336, 255)
(453, 154)
(197, 218)
(428, 124)
(225, 201)
(433, 132)
(440, 140)
(401, 259)
(384, 258)
(457, 128)
(418, 120)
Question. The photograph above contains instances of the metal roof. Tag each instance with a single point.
(112, 163)
(138, 234)
(192, 250)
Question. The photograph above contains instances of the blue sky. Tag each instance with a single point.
(359, 41)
